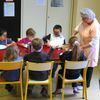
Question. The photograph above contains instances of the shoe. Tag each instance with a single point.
(75, 90)
(44, 92)
(9, 87)
(80, 87)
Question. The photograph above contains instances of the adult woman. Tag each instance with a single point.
(89, 31)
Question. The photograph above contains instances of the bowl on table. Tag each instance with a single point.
(2, 51)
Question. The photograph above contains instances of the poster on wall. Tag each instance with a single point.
(9, 9)
(57, 3)
(40, 2)
(9, 0)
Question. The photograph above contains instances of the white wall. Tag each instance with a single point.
(33, 16)
(42, 19)
(80, 4)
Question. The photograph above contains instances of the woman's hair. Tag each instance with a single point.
(37, 43)
(75, 45)
(30, 32)
(11, 53)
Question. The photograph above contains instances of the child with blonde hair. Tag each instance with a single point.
(12, 54)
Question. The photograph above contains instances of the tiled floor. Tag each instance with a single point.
(93, 91)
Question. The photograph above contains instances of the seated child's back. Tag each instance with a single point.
(37, 56)
(12, 54)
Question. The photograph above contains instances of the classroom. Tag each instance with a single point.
(49, 49)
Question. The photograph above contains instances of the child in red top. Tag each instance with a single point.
(30, 34)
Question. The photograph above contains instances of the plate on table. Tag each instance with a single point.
(2, 47)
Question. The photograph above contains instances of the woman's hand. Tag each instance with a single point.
(65, 47)
(74, 33)
(84, 46)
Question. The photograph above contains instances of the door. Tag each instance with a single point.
(11, 23)
(60, 15)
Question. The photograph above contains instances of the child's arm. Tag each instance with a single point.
(74, 33)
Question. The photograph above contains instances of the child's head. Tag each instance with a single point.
(37, 44)
(72, 41)
(30, 33)
(57, 29)
(3, 34)
(75, 46)
(12, 53)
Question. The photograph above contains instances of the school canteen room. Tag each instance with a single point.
(49, 50)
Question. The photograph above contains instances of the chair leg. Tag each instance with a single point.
(50, 90)
(99, 83)
(26, 89)
(63, 86)
(83, 91)
(56, 81)
(21, 87)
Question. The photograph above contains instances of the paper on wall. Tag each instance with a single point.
(40, 2)
(9, 9)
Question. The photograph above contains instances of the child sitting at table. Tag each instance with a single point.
(12, 54)
(37, 56)
(30, 35)
(55, 40)
(73, 53)
(3, 38)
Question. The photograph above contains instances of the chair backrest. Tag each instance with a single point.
(11, 65)
(76, 64)
(39, 66)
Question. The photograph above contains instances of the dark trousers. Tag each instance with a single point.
(89, 75)
(55, 66)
